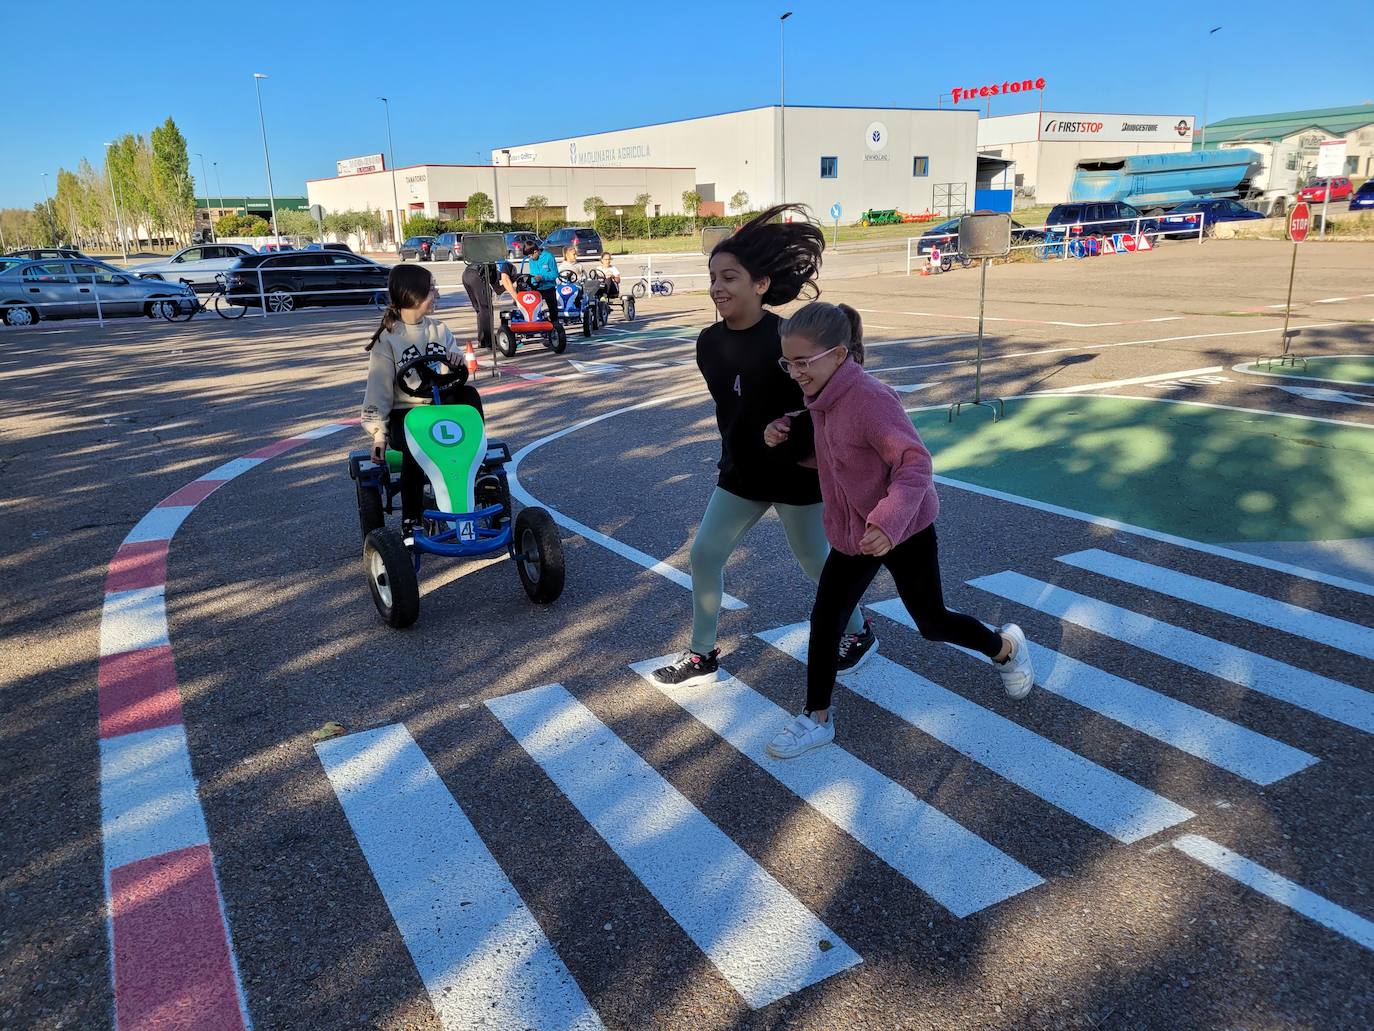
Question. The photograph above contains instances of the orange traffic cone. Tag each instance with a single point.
(470, 359)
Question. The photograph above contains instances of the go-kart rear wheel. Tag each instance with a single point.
(391, 578)
(371, 515)
(557, 341)
(586, 322)
(628, 307)
(539, 555)
(506, 342)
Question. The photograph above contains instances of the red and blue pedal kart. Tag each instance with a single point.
(472, 513)
(529, 319)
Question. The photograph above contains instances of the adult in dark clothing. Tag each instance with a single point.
(766, 263)
(480, 281)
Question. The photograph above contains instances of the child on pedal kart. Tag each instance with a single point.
(407, 332)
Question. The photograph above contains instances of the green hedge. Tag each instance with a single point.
(608, 225)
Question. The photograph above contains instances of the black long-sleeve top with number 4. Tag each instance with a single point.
(751, 390)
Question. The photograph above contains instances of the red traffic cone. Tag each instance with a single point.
(470, 359)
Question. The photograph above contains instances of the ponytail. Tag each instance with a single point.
(389, 317)
(827, 326)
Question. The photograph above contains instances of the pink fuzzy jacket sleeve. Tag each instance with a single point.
(909, 486)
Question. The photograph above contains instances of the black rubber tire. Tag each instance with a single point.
(639, 289)
(946, 263)
(539, 555)
(398, 598)
(11, 319)
(228, 308)
(665, 287)
(506, 342)
(965, 262)
(559, 344)
(629, 309)
(371, 514)
(587, 322)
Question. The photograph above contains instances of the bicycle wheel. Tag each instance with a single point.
(639, 289)
(183, 312)
(666, 288)
(227, 307)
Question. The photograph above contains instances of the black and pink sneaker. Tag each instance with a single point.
(689, 668)
(856, 649)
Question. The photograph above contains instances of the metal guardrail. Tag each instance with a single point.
(1061, 246)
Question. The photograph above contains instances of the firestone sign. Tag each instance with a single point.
(997, 90)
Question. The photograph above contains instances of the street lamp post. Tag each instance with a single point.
(782, 103)
(267, 160)
(219, 185)
(52, 215)
(1207, 83)
(114, 194)
(395, 200)
(207, 195)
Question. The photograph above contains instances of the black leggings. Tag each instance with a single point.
(412, 475)
(915, 568)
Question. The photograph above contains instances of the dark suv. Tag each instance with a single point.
(1109, 217)
(515, 243)
(418, 247)
(447, 246)
(295, 279)
(574, 244)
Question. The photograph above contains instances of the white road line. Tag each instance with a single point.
(949, 863)
(1272, 614)
(232, 468)
(159, 524)
(1278, 888)
(1311, 691)
(483, 958)
(1157, 378)
(1119, 343)
(1029, 322)
(634, 555)
(910, 388)
(134, 619)
(1229, 746)
(1333, 300)
(761, 939)
(148, 803)
(1080, 787)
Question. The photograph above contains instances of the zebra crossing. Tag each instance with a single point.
(485, 961)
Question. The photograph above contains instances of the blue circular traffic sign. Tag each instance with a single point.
(835, 211)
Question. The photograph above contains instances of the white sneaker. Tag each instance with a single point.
(801, 735)
(1018, 674)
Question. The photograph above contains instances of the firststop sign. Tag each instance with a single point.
(1299, 221)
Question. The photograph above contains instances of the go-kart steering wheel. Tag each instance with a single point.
(524, 281)
(418, 377)
(595, 273)
(568, 276)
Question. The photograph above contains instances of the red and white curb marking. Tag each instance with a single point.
(172, 959)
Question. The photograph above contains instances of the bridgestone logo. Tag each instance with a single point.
(1139, 127)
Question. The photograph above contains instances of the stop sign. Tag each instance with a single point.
(1299, 219)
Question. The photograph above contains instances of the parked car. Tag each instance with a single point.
(303, 278)
(200, 265)
(40, 253)
(329, 247)
(276, 248)
(1186, 219)
(32, 291)
(418, 247)
(1363, 198)
(574, 244)
(447, 247)
(1109, 217)
(1315, 190)
(515, 243)
(945, 235)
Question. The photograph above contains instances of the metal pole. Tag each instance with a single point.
(782, 105)
(1207, 84)
(271, 196)
(114, 195)
(207, 195)
(1326, 200)
(978, 355)
(395, 200)
(1288, 306)
(52, 214)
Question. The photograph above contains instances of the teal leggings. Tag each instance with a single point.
(728, 518)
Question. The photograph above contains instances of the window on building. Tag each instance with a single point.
(920, 166)
(830, 168)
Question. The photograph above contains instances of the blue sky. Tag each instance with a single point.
(462, 78)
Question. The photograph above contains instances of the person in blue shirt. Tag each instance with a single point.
(542, 268)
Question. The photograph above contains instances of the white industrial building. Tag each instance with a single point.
(1044, 147)
(912, 159)
(442, 191)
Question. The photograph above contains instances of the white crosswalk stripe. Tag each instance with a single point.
(1080, 787)
(1300, 687)
(1257, 758)
(953, 865)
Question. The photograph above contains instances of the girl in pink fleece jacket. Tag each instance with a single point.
(880, 509)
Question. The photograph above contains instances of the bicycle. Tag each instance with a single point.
(658, 285)
(226, 307)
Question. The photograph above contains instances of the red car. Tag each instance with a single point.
(1316, 189)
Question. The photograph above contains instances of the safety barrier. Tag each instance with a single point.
(1060, 241)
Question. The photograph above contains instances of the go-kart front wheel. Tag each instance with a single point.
(539, 555)
(391, 578)
(506, 342)
(628, 307)
(557, 341)
(587, 322)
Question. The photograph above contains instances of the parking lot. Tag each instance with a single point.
(516, 827)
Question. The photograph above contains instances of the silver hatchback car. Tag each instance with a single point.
(34, 290)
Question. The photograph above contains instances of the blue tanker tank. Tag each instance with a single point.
(1150, 181)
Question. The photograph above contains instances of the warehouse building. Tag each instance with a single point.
(912, 159)
(442, 191)
(1045, 146)
(1307, 130)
